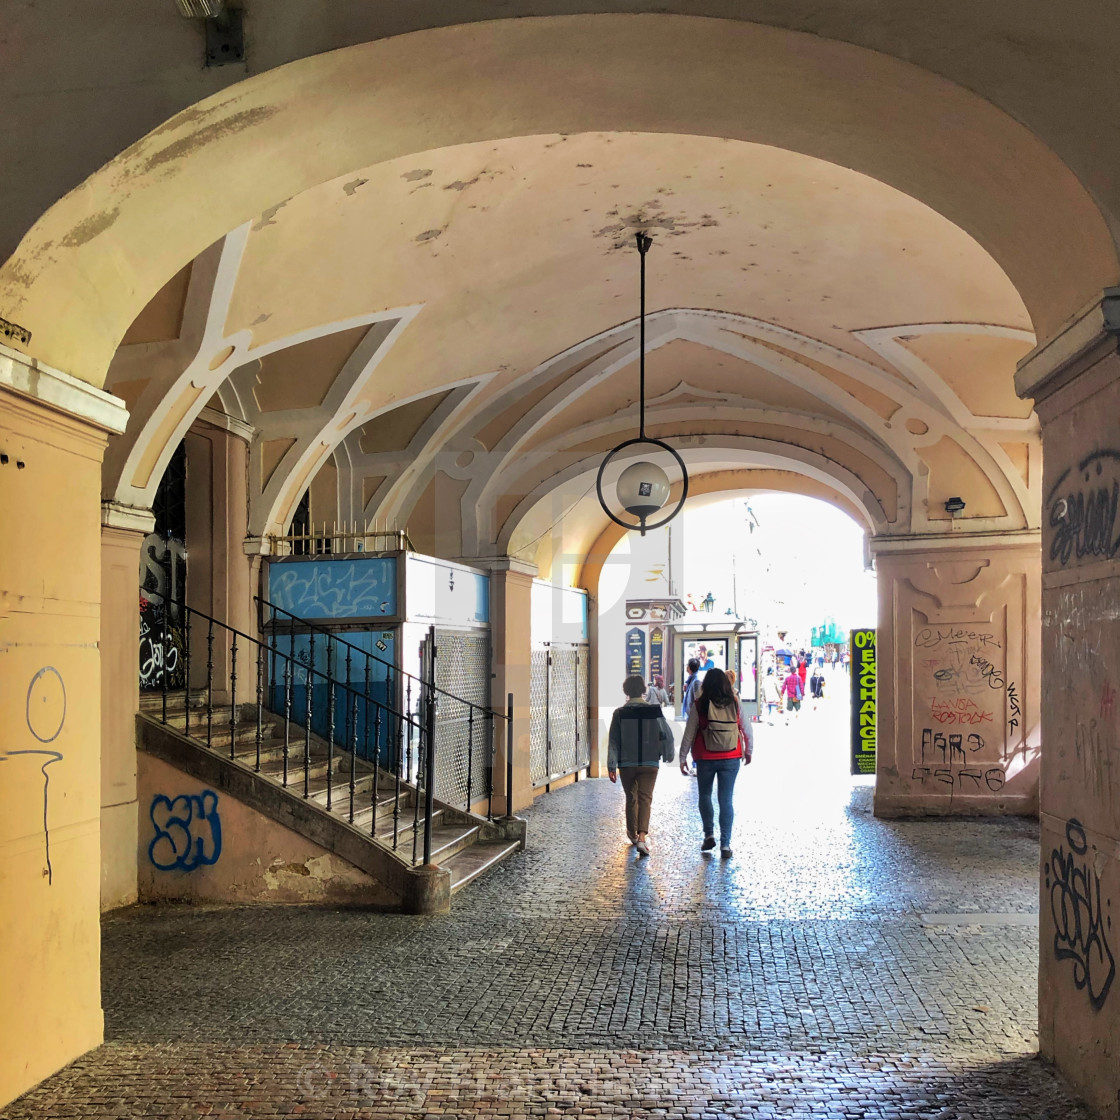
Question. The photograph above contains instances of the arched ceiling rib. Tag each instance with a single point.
(312, 331)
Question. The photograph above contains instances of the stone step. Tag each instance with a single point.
(455, 843)
(467, 863)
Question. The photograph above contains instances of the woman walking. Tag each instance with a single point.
(639, 741)
(772, 694)
(720, 743)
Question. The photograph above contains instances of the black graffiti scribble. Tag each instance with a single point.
(1016, 711)
(994, 777)
(929, 638)
(988, 671)
(1084, 518)
(951, 746)
(1080, 922)
(51, 758)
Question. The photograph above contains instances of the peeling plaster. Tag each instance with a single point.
(86, 230)
(268, 216)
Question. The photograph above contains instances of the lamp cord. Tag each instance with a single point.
(644, 242)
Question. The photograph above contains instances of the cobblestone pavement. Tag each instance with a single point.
(837, 966)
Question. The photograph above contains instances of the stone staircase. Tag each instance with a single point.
(378, 825)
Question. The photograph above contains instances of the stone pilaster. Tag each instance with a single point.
(511, 585)
(1075, 382)
(958, 675)
(52, 441)
(123, 530)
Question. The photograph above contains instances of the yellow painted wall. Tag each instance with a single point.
(50, 704)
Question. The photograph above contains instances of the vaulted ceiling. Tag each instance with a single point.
(451, 337)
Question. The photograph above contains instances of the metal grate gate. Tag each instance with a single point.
(538, 717)
(558, 731)
(463, 741)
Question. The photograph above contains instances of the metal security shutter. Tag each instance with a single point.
(563, 717)
(583, 714)
(462, 669)
(538, 718)
(558, 726)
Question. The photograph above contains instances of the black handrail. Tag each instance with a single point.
(282, 668)
(317, 628)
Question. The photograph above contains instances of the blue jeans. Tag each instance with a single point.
(709, 771)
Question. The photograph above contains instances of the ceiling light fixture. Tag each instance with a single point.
(643, 487)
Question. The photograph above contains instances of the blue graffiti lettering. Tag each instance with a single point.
(188, 831)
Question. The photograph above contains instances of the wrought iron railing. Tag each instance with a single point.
(330, 738)
(465, 730)
(334, 539)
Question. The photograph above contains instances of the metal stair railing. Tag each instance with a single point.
(283, 627)
(403, 743)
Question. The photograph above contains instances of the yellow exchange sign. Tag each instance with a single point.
(863, 701)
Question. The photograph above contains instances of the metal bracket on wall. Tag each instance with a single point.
(225, 38)
(14, 332)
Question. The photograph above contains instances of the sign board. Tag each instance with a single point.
(334, 589)
(748, 668)
(656, 653)
(864, 699)
(559, 614)
(636, 653)
(445, 593)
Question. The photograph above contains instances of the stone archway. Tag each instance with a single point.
(87, 267)
(83, 273)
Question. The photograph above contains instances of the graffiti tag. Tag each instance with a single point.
(930, 638)
(1083, 517)
(1016, 711)
(988, 671)
(962, 710)
(993, 777)
(1080, 923)
(188, 831)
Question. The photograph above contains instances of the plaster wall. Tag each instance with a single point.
(198, 845)
(510, 644)
(50, 759)
(958, 676)
(219, 573)
(120, 698)
(1079, 1005)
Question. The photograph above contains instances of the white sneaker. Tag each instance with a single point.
(643, 848)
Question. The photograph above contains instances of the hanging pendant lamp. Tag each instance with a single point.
(643, 487)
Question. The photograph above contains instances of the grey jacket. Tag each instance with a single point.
(639, 736)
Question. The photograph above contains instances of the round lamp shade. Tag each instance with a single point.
(643, 488)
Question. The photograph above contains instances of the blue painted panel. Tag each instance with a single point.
(362, 715)
(324, 590)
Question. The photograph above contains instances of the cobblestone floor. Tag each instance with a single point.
(837, 966)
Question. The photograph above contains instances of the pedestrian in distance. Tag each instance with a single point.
(656, 693)
(691, 686)
(638, 742)
(720, 742)
(816, 684)
(793, 692)
(772, 694)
